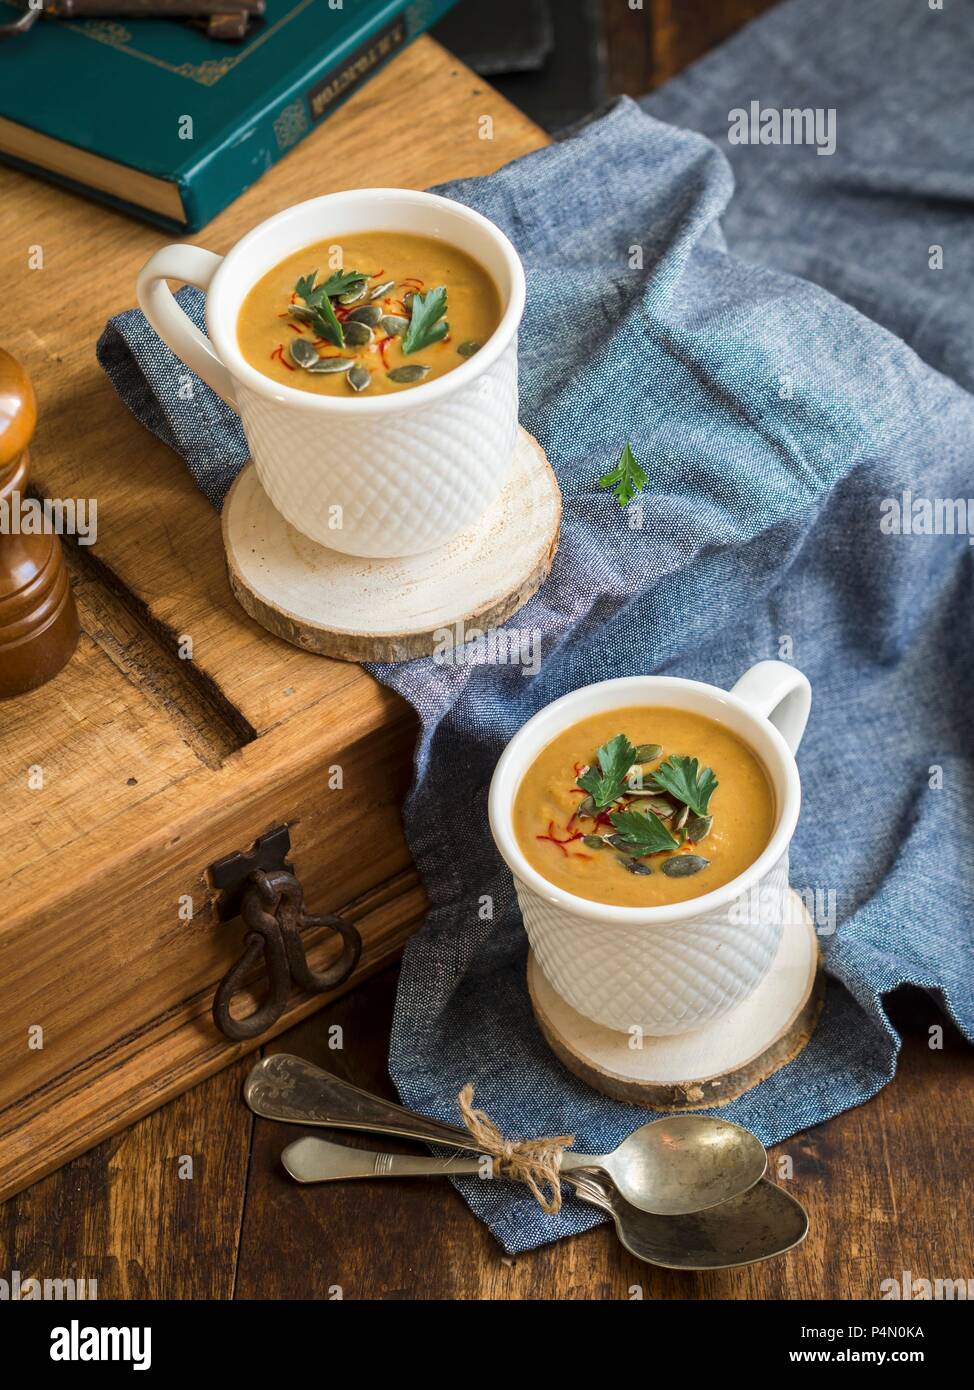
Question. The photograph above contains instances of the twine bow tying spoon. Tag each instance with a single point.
(535, 1162)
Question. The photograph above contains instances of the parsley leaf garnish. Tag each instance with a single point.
(324, 320)
(609, 783)
(305, 288)
(327, 325)
(626, 479)
(426, 323)
(688, 782)
(338, 283)
(341, 281)
(645, 834)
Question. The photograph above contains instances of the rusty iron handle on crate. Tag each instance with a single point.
(273, 911)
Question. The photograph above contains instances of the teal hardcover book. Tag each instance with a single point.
(155, 117)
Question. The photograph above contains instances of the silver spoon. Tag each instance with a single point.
(763, 1222)
(670, 1167)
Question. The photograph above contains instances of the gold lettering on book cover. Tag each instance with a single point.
(358, 69)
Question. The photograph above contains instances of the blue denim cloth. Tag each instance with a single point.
(773, 414)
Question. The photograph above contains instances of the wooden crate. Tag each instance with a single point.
(136, 769)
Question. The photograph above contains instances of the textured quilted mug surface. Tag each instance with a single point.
(664, 978)
(387, 486)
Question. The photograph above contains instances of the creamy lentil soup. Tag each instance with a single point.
(643, 806)
(377, 313)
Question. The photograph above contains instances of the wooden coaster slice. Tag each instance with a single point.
(710, 1066)
(393, 610)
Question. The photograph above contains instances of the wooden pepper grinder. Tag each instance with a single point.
(38, 619)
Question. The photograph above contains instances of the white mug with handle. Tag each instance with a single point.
(383, 476)
(672, 968)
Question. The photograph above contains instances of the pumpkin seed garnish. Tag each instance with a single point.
(405, 376)
(331, 365)
(354, 293)
(586, 807)
(699, 827)
(357, 334)
(359, 377)
(680, 819)
(468, 348)
(301, 312)
(683, 865)
(635, 866)
(641, 783)
(593, 841)
(647, 752)
(369, 314)
(624, 846)
(394, 324)
(303, 353)
(407, 299)
(382, 289)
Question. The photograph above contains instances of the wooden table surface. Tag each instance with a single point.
(887, 1187)
(191, 1202)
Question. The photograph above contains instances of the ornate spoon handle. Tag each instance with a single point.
(283, 1087)
(288, 1088)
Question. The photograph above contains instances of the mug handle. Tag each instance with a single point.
(779, 692)
(191, 265)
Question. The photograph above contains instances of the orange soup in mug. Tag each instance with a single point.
(643, 806)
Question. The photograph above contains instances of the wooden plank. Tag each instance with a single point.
(131, 1218)
(629, 49)
(91, 814)
(122, 710)
(88, 717)
(156, 533)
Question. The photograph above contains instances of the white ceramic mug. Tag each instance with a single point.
(407, 471)
(672, 968)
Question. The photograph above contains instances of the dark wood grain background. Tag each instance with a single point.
(887, 1187)
(647, 47)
